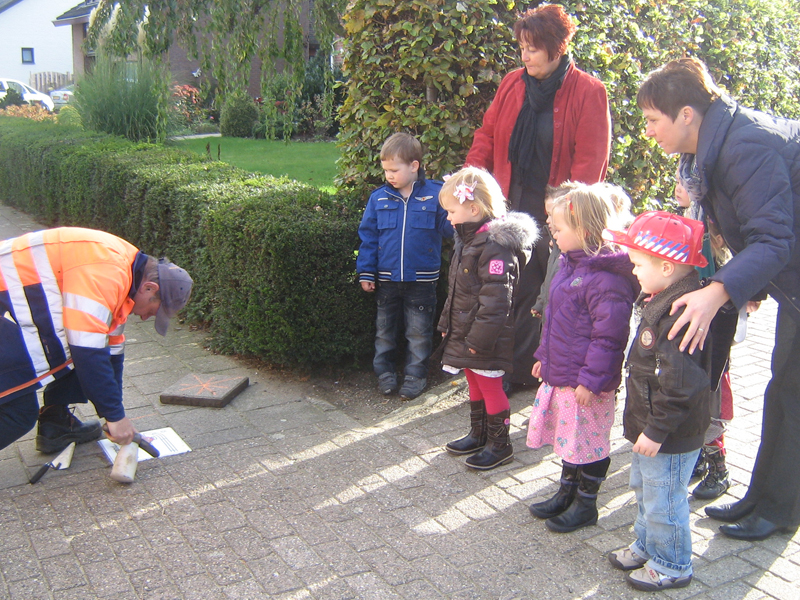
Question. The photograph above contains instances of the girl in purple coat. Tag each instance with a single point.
(579, 360)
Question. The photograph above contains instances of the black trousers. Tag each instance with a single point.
(775, 482)
(18, 416)
(527, 329)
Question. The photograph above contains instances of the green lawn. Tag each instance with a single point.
(310, 162)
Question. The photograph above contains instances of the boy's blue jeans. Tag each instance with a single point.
(415, 303)
(662, 525)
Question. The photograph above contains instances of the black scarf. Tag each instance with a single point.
(539, 97)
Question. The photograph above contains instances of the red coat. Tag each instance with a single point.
(581, 130)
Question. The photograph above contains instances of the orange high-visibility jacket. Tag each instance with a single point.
(64, 299)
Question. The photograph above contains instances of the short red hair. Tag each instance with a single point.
(546, 27)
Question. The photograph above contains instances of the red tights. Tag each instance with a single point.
(488, 389)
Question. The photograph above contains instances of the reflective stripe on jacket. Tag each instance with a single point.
(62, 290)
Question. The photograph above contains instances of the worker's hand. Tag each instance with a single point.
(701, 307)
(645, 446)
(752, 306)
(120, 432)
(583, 395)
(368, 286)
(536, 371)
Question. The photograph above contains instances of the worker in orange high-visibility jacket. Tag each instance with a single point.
(65, 295)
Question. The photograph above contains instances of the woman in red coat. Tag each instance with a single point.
(548, 123)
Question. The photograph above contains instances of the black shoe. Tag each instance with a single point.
(476, 438)
(58, 428)
(751, 528)
(713, 486)
(700, 467)
(731, 512)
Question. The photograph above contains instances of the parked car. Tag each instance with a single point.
(30, 95)
(63, 96)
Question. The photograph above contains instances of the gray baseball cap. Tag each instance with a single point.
(175, 287)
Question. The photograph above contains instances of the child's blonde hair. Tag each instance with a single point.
(551, 192)
(621, 214)
(481, 189)
(588, 213)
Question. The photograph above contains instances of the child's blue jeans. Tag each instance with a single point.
(662, 525)
(413, 302)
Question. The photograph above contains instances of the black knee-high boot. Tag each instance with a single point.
(476, 438)
(583, 511)
(570, 475)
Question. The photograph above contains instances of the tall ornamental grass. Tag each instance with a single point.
(130, 99)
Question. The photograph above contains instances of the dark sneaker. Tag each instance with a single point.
(387, 383)
(58, 428)
(412, 387)
(625, 559)
(713, 486)
(648, 579)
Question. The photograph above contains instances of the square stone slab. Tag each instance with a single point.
(214, 391)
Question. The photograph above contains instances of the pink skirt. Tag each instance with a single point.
(578, 434)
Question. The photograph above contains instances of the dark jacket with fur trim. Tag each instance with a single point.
(586, 321)
(485, 267)
(668, 390)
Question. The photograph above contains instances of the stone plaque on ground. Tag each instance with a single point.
(215, 391)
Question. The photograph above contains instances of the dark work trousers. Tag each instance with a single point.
(775, 482)
(527, 328)
(18, 416)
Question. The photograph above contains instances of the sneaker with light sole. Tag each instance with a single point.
(387, 383)
(648, 579)
(412, 387)
(625, 559)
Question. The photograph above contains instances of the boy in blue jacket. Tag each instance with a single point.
(399, 259)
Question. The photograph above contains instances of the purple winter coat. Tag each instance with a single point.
(587, 319)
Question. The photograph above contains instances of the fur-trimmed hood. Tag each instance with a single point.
(516, 231)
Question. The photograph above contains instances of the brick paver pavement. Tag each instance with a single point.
(286, 496)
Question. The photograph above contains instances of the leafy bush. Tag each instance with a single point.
(69, 115)
(126, 99)
(238, 116)
(433, 70)
(430, 69)
(12, 98)
(28, 111)
(273, 260)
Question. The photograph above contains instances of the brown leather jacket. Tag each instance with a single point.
(668, 393)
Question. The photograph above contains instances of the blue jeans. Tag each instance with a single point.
(415, 303)
(662, 525)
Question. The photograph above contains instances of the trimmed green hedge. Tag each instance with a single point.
(273, 260)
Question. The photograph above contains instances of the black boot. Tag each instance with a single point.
(570, 474)
(498, 450)
(58, 427)
(701, 466)
(716, 480)
(583, 510)
(476, 438)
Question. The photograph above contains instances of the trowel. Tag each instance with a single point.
(61, 462)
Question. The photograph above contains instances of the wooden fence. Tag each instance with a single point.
(48, 81)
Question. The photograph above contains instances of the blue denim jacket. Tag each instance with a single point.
(402, 240)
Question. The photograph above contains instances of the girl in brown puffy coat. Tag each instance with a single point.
(492, 247)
